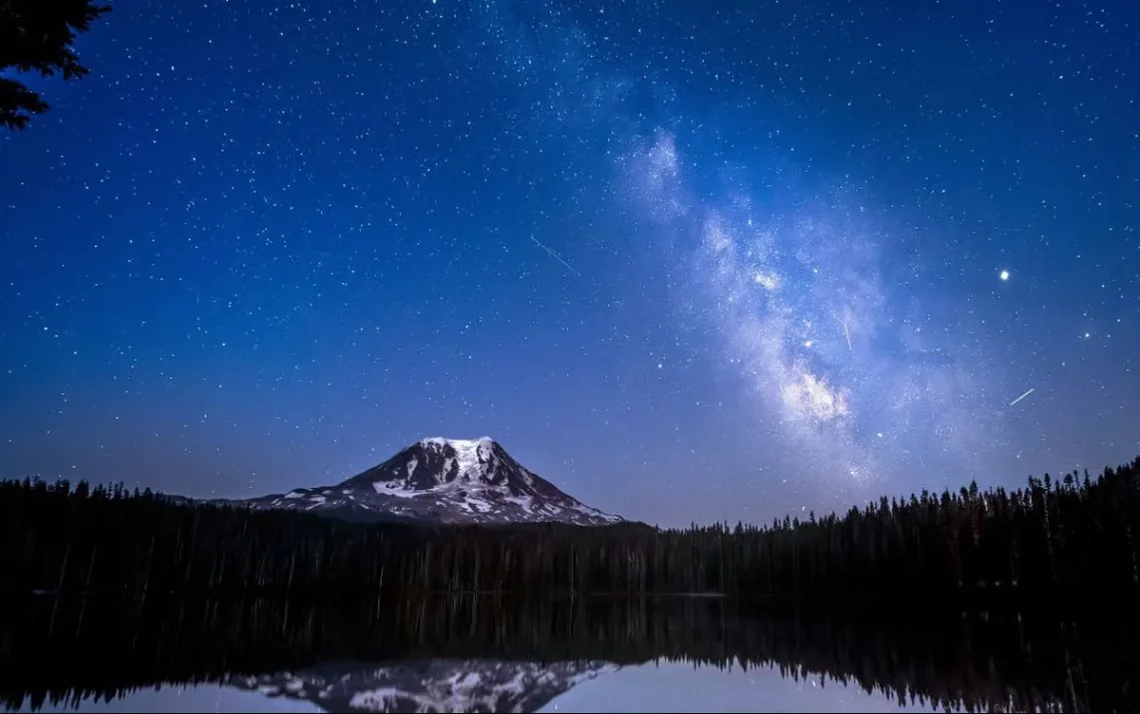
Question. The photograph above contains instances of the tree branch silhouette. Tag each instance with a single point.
(37, 36)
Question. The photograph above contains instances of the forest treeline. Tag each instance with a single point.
(71, 648)
(1064, 536)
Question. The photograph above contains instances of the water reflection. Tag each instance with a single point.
(480, 653)
(429, 685)
(661, 687)
(681, 687)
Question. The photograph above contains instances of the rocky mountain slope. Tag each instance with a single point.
(443, 481)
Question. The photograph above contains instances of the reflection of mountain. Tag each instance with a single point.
(428, 685)
(1045, 659)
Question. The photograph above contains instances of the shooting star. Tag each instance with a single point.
(848, 336)
(1023, 396)
(555, 256)
(332, 256)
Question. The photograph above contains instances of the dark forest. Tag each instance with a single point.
(1057, 537)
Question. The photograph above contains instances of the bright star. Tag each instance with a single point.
(1004, 275)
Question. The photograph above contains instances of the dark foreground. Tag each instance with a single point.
(483, 653)
(1055, 539)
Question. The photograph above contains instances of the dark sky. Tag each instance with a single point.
(688, 260)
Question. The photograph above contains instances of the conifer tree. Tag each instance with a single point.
(37, 36)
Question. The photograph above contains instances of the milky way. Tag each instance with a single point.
(688, 261)
(835, 357)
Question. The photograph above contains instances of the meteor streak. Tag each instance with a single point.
(555, 256)
(1023, 396)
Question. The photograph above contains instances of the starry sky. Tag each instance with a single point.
(689, 261)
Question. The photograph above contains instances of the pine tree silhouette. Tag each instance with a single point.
(37, 36)
(1047, 543)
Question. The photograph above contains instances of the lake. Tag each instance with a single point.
(483, 653)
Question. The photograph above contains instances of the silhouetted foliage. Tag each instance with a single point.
(37, 36)
(62, 650)
(1060, 537)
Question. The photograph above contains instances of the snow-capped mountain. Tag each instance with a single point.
(443, 481)
(428, 686)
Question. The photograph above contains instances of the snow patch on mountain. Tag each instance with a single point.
(445, 481)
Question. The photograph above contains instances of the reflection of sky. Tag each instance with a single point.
(200, 698)
(664, 687)
(681, 687)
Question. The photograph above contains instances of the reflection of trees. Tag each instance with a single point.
(998, 662)
(1056, 540)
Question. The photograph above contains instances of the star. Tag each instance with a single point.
(632, 210)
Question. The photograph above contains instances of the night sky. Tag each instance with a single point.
(690, 261)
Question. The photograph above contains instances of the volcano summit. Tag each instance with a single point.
(443, 481)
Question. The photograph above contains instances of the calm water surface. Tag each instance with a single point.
(665, 687)
(472, 654)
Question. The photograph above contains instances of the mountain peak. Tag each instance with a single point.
(449, 481)
(458, 443)
(468, 451)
